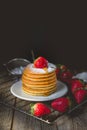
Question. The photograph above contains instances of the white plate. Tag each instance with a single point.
(82, 76)
(16, 90)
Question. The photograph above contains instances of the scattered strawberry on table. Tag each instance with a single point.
(39, 109)
(78, 90)
(64, 74)
(77, 87)
(61, 104)
(76, 84)
(80, 95)
(60, 68)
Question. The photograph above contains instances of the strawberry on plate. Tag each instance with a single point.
(39, 109)
(40, 62)
(61, 104)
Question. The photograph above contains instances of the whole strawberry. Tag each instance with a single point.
(60, 69)
(39, 109)
(57, 72)
(76, 84)
(61, 104)
(80, 95)
(66, 76)
(40, 62)
(63, 68)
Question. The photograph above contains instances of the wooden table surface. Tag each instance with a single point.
(11, 119)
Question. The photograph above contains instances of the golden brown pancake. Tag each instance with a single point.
(39, 81)
(39, 92)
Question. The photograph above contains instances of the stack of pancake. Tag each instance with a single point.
(39, 82)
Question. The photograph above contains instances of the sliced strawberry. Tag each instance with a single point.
(39, 109)
(80, 95)
(40, 62)
(61, 104)
(76, 84)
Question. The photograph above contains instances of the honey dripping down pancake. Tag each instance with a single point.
(39, 81)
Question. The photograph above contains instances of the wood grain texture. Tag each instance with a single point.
(6, 115)
(23, 122)
(80, 122)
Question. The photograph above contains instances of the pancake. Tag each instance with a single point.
(36, 81)
(40, 92)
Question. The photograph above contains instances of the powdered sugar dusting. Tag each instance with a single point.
(51, 67)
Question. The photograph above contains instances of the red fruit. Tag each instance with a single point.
(57, 71)
(61, 104)
(80, 95)
(39, 109)
(66, 76)
(76, 84)
(63, 67)
(40, 62)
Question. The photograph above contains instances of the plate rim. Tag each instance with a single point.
(33, 98)
(78, 75)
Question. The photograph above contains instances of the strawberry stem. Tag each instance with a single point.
(32, 108)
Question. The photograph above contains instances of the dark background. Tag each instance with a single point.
(53, 30)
